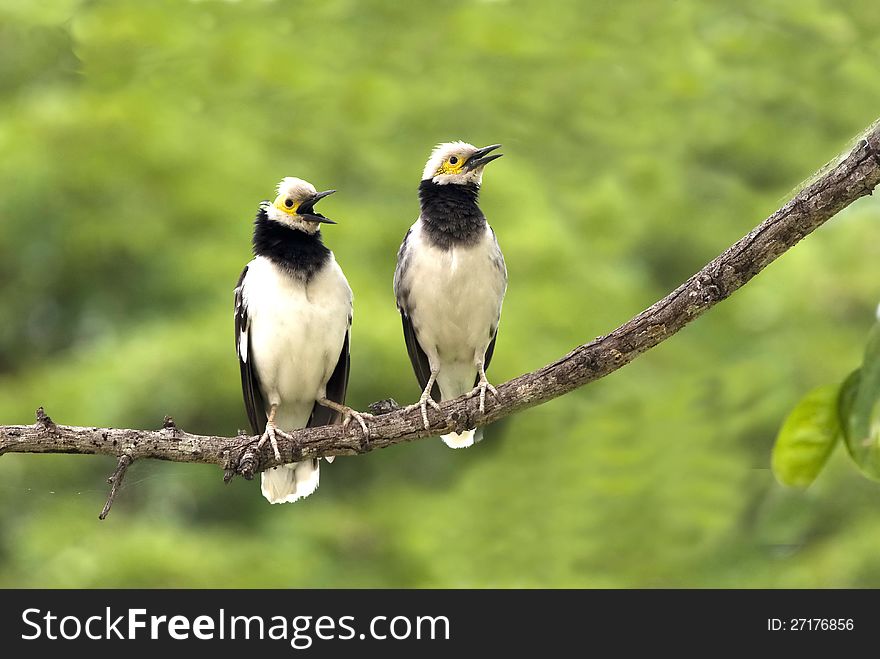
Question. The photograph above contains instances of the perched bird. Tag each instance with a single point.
(450, 282)
(293, 309)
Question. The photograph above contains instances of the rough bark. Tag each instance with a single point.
(854, 176)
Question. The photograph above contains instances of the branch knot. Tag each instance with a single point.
(871, 150)
(45, 421)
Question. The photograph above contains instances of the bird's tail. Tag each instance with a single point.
(458, 379)
(462, 439)
(290, 482)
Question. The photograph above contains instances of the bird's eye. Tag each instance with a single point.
(453, 160)
(288, 202)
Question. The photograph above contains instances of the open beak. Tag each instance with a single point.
(479, 157)
(306, 209)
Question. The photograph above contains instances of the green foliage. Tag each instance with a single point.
(850, 411)
(641, 139)
(862, 410)
(807, 437)
(845, 399)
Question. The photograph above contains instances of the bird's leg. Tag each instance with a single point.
(348, 414)
(425, 399)
(481, 388)
(271, 432)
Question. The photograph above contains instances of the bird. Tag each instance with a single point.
(450, 282)
(293, 312)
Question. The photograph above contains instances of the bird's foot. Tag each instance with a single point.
(480, 390)
(422, 404)
(348, 414)
(271, 435)
(360, 417)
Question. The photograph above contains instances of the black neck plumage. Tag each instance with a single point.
(450, 214)
(298, 252)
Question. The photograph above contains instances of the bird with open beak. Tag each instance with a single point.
(450, 283)
(293, 310)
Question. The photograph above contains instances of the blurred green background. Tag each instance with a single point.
(641, 138)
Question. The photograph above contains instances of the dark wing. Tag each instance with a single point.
(501, 268)
(250, 387)
(337, 386)
(488, 357)
(417, 356)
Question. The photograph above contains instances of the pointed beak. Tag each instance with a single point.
(307, 208)
(480, 159)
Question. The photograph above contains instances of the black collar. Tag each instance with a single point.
(298, 252)
(450, 214)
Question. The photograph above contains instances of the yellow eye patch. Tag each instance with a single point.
(281, 203)
(452, 165)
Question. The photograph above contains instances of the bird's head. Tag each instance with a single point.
(295, 205)
(458, 162)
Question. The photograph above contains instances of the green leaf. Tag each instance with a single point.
(846, 398)
(807, 438)
(860, 413)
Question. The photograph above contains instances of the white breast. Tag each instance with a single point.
(296, 334)
(455, 295)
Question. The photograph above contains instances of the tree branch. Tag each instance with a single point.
(854, 176)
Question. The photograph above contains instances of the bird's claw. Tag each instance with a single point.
(360, 417)
(270, 436)
(347, 415)
(480, 390)
(425, 400)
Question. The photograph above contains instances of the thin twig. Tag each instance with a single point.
(115, 482)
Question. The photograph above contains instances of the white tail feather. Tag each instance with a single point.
(307, 475)
(291, 482)
(459, 439)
